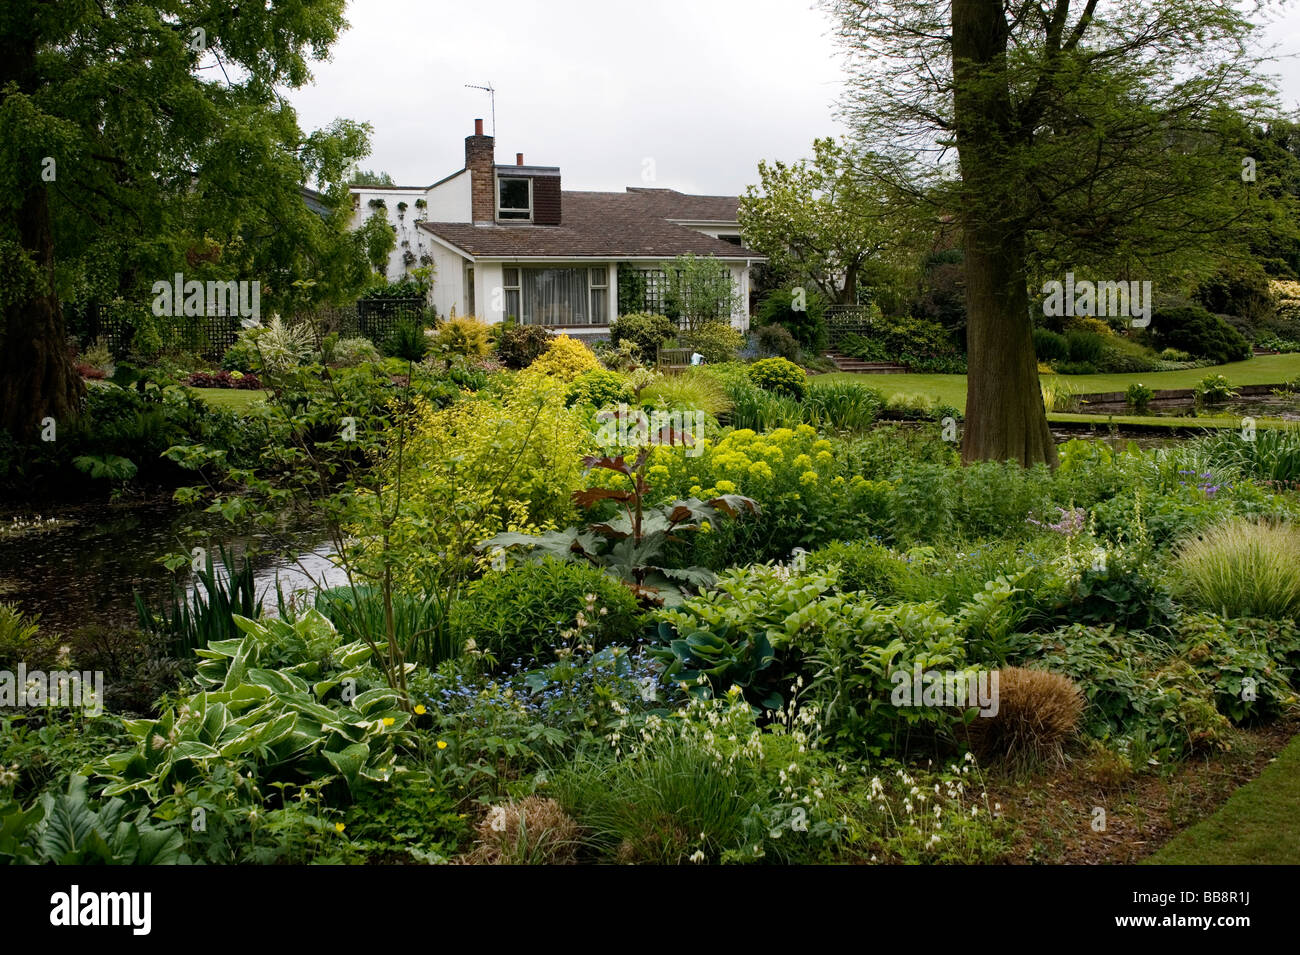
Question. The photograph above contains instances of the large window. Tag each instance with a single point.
(514, 198)
(563, 296)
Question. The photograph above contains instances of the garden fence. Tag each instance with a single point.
(211, 335)
(844, 320)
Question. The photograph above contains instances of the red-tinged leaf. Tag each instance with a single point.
(608, 462)
(608, 530)
(680, 513)
(593, 494)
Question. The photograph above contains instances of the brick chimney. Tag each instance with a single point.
(519, 159)
(480, 160)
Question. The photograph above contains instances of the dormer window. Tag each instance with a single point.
(514, 199)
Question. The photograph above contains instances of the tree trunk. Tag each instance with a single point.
(37, 379)
(1005, 419)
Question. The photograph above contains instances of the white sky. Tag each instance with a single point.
(703, 88)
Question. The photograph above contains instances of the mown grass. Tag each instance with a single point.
(1258, 825)
(231, 399)
(951, 389)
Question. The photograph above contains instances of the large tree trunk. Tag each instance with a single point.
(37, 379)
(1005, 419)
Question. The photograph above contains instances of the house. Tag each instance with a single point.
(506, 241)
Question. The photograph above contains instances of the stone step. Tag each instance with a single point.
(859, 366)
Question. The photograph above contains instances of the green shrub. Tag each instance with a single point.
(866, 349)
(465, 335)
(780, 376)
(1050, 346)
(647, 332)
(1243, 661)
(1213, 390)
(806, 325)
(1242, 568)
(1084, 347)
(1192, 329)
(518, 346)
(419, 624)
(1138, 397)
(776, 340)
(1120, 355)
(598, 388)
(347, 352)
(841, 405)
(1143, 699)
(718, 342)
(690, 390)
(863, 567)
(526, 611)
(408, 342)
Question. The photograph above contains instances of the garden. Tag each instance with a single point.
(579, 610)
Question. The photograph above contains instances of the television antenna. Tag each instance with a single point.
(492, 95)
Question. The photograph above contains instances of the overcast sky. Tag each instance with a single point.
(691, 92)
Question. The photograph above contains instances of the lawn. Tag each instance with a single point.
(231, 399)
(1259, 823)
(951, 389)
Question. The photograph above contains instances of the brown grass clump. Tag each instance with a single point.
(534, 831)
(1038, 712)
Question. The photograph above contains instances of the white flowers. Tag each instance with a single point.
(697, 856)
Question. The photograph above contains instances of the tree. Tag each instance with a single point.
(142, 139)
(699, 289)
(1082, 140)
(824, 222)
(369, 177)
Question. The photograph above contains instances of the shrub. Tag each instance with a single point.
(526, 611)
(806, 325)
(1242, 568)
(841, 405)
(864, 567)
(534, 831)
(1192, 329)
(777, 340)
(598, 388)
(1120, 355)
(1038, 713)
(693, 389)
(1213, 390)
(780, 376)
(408, 342)
(348, 352)
(489, 464)
(1173, 354)
(1084, 347)
(1050, 346)
(718, 342)
(224, 379)
(566, 358)
(465, 335)
(867, 349)
(647, 332)
(518, 346)
(1138, 396)
(274, 347)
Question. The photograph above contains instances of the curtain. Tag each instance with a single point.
(555, 297)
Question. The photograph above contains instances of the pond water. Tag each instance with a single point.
(86, 568)
(1285, 407)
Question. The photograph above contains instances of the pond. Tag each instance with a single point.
(87, 567)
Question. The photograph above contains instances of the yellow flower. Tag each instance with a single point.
(805, 431)
(339, 827)
(419, 709)
(695, 490)
(808, 477)
(389, 721)
(821, 445)
(726, 487)
(760, 470)
(802, 462)
(442, 744)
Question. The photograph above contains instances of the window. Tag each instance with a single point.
(599, 310)
(514, 199)
(733, 239)
(510, 283)
(556, 296)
